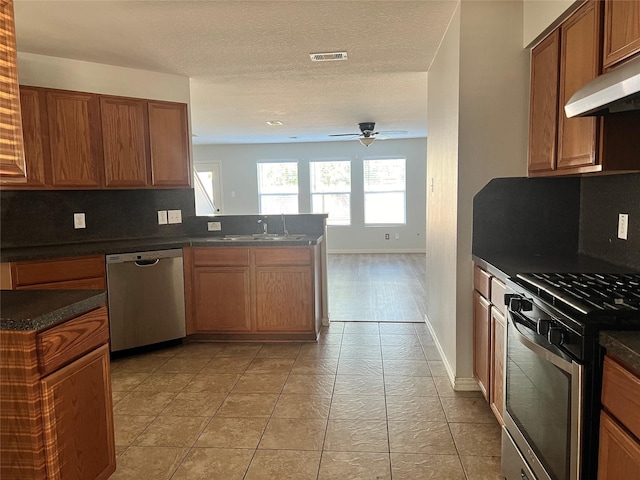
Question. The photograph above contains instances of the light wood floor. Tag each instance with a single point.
(377, 287)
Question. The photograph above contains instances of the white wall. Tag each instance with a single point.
(540, 14)
(485, 137)
(63, 73)
(239, 178)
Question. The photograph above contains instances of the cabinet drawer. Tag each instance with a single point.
(498, 289)
(49, 271)
(64, 343)
(221, 256)
(621, 394)
(282, 256)
(97, 283)
(482, 281)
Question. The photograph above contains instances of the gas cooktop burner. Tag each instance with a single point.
(588, 293)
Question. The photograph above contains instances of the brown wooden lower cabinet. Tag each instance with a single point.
(253, 292)
(481, 336)
(619, 456)
(75, 273)
(56, 415)
(498, 355)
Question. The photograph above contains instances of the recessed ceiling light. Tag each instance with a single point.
(328, 57)
(274, 123)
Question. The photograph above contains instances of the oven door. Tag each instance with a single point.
(543, 406)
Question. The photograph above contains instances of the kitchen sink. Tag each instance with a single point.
(261, 237)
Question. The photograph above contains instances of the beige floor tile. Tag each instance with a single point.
(334, 327)
(284, 465)
(248, 405)
(397, 329)
(477, 438)
(145, 363)
(158, 463)
(354, 466)
(305, 365)
(233, 432)
(144, 403)
(407, 368)
(302, 406)
(359, 351)
(117, 396)
(410, 386)
(421, 437)
(167, 431)
(319, 350)
(357, 436)
(279, 350)
(214, 464)
(445, 389)
(240, 349)
(165, 382)
(260, 383)
(198, 350)
(358, 407)
(184, 365)
(294, 434)
(467, 410)
(393, 340)
(411, 408)
(120, 449)
(359, 366)
(199, 404)
(406, 466)
(125, 381)
(362, 328)
(482, 468)
(437, 368)
(359, 385)
(431, 352)
(330, 339)
(403, 352)
(233, 364)
(270, 365)
(221, 383)
(128, 427)
(361, 340)
(309, 384)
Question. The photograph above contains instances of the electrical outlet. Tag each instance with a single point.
(397, 236)
(174, 216)
(79, 221)
(162, 217)
(386, 236)
(623, 225)
(214, 226)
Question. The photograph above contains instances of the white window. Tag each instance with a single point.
(278, 188)
(331, 190)
(384, 191)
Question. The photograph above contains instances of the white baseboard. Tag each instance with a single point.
(395, 250)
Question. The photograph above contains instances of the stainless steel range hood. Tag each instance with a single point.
(616, 91)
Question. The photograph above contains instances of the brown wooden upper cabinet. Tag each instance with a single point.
(88, 141)
(12, 162)
(621, 31)
(561, 64)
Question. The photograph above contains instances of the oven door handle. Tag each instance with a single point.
(539, 350)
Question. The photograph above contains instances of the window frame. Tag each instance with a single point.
(365, 192)
(261, 194)
(348, 192)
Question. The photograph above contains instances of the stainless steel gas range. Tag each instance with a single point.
(554, 369)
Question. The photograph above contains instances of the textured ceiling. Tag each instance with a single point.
(249, 60)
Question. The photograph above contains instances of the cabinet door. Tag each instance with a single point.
(125, 141)
(284, 299)
(34, 131)
(169, 143)
(498, 355)
(481, 336)
(619, 455)
(543, 114)
(74, 138)
(221, 297)
(78, 419)
(579, 63)
(12, 162)
(621, 30)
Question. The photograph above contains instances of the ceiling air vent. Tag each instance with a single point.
(328, 57)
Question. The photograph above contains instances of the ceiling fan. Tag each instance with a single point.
(368, 134)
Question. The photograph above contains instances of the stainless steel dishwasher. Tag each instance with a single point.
(146, 298)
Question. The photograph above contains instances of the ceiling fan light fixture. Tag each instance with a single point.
(366, 141)
(274, 123)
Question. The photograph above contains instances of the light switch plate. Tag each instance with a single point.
(162, 217)
(79, 221)
(174, 216)
(623, 225)
(214, 226)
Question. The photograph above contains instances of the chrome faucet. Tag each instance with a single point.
(265, 227)
(284, 226)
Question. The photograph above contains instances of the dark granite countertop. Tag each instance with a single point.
(140, 245)
(28, 310)
(508, 265)
(623, 345)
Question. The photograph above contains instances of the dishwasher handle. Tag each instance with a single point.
(147, 263)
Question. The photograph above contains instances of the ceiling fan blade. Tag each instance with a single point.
(393, 132)
(345, 135)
